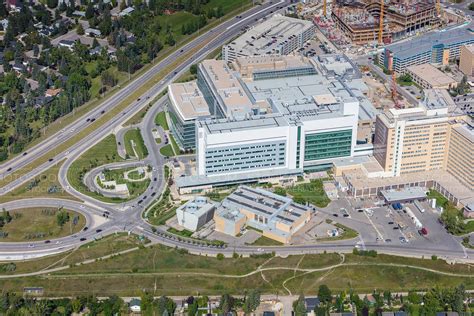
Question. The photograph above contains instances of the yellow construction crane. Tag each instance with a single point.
(324, 8)
(438, 7)
(382, 5)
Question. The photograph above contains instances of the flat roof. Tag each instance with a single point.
(216, 180)
(432, 75)
(470, 48)
(188, 100)
(466, 130)
(420, 44)
(228, 125)
(411, 193)
(227, 86)
(275, 207)
(266, 37)
(198, 206)
(249, 65)
(359, 180)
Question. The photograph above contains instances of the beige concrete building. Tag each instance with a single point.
(276, 216)
(466, 60)
(460, 158)
(411, 140)
(430, 77)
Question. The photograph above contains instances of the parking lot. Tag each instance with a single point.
(377, 223)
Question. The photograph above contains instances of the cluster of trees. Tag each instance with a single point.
(5, 218)
(429, 303)
(12, 304)
(248, 303)
(138, 37)
(62, 217)
(161, 306)
(462, 88)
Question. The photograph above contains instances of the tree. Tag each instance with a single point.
(252, 301)
(80, 29)
(193, 308)
(324, 293)
(146, 302)
(459, 296)
(299, 307)
(226, 303)
(413, 297)
(193, 69)
(431, 304)
(471, 6)
(52, 3)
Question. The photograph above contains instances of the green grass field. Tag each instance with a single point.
(135, 188)
(167, 150)
(160, 120)
(102, 153)
(174, 272)
(44, 185)
(312, 192)
(265, 241)
(39, 223)
(135, 136)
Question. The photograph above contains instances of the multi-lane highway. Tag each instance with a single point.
(107, 218)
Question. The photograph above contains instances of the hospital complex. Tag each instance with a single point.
(272, 117)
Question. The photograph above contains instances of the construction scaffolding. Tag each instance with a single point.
(383, 21)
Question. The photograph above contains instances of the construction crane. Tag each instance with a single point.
(382, 6)
(324, 8)
(398, 105)
(438, 7)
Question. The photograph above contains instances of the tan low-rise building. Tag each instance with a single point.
(429, 77)
(276, 216)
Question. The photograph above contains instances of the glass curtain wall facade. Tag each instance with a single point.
(184, 132)
(328, 145)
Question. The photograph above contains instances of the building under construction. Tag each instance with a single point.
(360, 20)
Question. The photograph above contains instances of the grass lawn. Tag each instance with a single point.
(170, 271)
(160, 120)
(135, 188)
(174, 144)
(469, 228)
(184, 232)
(102, 153)
(95, 249)
(44, 185)
(312, 192)
(134, 175)
(167, 150)
(135, 136)
(265, 241)
(35, 224)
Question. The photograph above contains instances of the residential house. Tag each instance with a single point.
(135, 305)
(67, 44)
(92, 32)
(53, 92)
(311, 303)
(19, 68)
